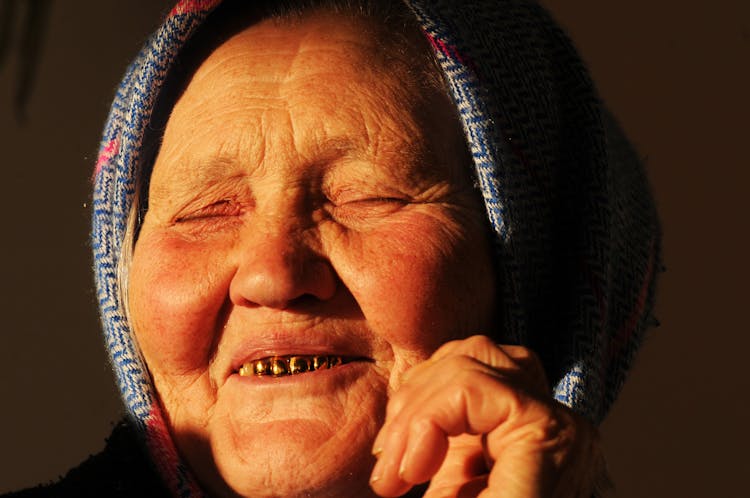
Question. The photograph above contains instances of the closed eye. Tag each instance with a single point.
(364, 210)
(377, 200)
(224, 207)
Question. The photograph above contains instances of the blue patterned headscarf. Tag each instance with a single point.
(576, 233)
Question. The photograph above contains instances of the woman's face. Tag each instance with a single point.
(311, 198)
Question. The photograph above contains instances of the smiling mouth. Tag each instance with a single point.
(280, 366)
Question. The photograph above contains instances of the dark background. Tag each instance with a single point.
(676, 74)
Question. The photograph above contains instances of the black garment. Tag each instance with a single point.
(121, 470)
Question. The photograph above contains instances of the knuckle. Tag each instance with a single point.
(396, 404)
(480, 341)
(521, 354)
(562, 433)
(547, 434)
(470, 346)
(447, 348)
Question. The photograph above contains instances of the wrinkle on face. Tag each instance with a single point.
(300, 149)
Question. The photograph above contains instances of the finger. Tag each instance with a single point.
(508, 359)
(520, 473)
(464, 462)
(524, 438)
(470, 488)
(531, 439)
(385, 479)
(436, 412)
(421, 379)
(483, 349)
(424, 453)
(411, 448)
(542, 455)
(436, 401)
(478, 347)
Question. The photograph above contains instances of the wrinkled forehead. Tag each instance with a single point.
(388, 26)
(385, 32)
(304, 93)
(270, 52)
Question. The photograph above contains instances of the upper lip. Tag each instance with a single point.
(306, 342)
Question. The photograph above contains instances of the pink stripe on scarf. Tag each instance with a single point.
(193, 6)
(450, 52)
(107, 153)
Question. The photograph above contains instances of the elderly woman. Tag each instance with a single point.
(357, 248)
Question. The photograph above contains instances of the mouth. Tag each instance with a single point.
(282, 366)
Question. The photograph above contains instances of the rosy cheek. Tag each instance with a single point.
(176, 296)
(401, 283)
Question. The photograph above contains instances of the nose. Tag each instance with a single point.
(278, 268)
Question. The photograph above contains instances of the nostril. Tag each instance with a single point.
(303, 301)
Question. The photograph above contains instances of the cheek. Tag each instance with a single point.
(421, 281)
(176, 294)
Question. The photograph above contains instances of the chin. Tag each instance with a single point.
(302, 443)
(295, 458)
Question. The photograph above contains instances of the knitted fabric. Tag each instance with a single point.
(577, 236)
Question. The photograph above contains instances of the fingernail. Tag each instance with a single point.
(377, 472)
(402, 469)
(377, 445)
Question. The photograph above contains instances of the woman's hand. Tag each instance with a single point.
(477, 420)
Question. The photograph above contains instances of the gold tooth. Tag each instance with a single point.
(298, 365)
(262, 367)
(279, 366)
(320, 363)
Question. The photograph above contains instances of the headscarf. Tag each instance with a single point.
(575, 230)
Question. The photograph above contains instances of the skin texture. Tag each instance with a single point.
(312, 196)
(477, 420)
